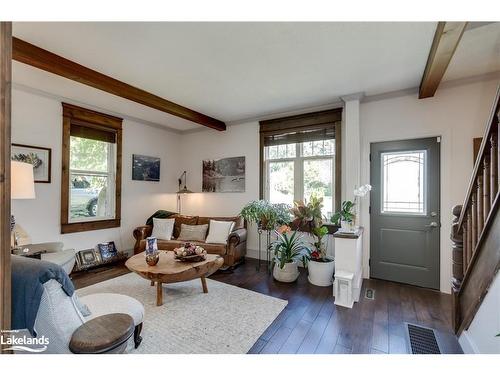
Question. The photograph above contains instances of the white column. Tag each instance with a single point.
(351, 146)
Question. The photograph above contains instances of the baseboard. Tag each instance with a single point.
(467, 344)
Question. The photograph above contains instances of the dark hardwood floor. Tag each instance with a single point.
(312, 323)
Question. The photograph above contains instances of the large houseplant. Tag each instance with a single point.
(287, 250)
(266, 215)
(308, 217)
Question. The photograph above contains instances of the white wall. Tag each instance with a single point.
(481, 335)
(457, 114)
(37, 120)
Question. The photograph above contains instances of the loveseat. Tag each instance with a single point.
(233, 251)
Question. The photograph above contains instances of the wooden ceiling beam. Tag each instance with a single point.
(446, 39)
(40, 58)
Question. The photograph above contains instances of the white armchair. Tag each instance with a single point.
(59, 316)
(53, 251)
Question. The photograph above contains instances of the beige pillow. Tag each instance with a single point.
(163, 228)
(193, 232)
(219, 231)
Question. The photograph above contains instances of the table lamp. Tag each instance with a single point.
(22, 186)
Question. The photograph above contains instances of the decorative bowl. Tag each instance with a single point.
(190, 253)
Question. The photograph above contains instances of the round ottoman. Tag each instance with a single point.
(109, 303)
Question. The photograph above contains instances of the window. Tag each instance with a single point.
(91, 174)
(300, 157)
(403, 182)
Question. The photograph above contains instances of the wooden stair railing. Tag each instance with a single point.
(475, 232)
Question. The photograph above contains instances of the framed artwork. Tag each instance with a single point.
(224, 175)
(88, 257)
(145, 168)
(39, 157)
(107, 250)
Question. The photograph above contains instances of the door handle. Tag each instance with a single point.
(432, 224)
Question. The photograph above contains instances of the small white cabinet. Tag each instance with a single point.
(348, 267)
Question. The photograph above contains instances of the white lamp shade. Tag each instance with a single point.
(22, 182)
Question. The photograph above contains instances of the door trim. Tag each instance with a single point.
(5, 139)
(369, 211)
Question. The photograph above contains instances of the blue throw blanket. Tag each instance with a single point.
(28, 277)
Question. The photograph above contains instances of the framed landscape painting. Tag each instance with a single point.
(145, 168)
(224, 175)
(39, 157)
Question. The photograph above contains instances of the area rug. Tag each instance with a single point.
(227, 319)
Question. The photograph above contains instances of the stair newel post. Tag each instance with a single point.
(457, 264)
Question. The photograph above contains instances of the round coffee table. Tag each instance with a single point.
(168, 270)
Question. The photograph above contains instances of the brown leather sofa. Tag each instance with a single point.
(233, 251)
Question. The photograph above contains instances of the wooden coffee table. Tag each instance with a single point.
(168, 270)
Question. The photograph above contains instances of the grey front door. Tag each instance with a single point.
(404, 212)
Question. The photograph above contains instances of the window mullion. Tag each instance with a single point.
(298, 175)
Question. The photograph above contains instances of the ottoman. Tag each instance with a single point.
(110, 303)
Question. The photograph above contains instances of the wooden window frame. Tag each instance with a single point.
(308, 121)
(87, 117)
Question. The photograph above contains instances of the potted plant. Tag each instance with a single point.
(287, 250)
(345, 216)
(308, 218)
(319, 265)
(307, 214)
(266, 215)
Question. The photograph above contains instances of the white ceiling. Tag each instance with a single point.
(234, 71)
(477, 53)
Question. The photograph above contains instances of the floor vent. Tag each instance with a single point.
(421, 340)
(369, 294)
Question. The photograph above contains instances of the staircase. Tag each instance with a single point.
(475, 231)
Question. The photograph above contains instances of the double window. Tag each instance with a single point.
(301, 157)
(91, 170)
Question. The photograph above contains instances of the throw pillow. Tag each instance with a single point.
(163, 228)
(193, 232)
(219, 231)
(180, 219)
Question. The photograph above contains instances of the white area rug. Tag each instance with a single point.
(226, 320)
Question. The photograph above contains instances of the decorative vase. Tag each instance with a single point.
(152, 259)
(287, 274)
(152, 254)
(321, 273)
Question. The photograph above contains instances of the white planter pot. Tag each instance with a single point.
(288, 273)
(321, 273)
(346, 226)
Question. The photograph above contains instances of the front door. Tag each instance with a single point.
(404, 212)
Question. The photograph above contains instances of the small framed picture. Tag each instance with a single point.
(39, 157)
(88, 257)
(145, 168)
(107, 250)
